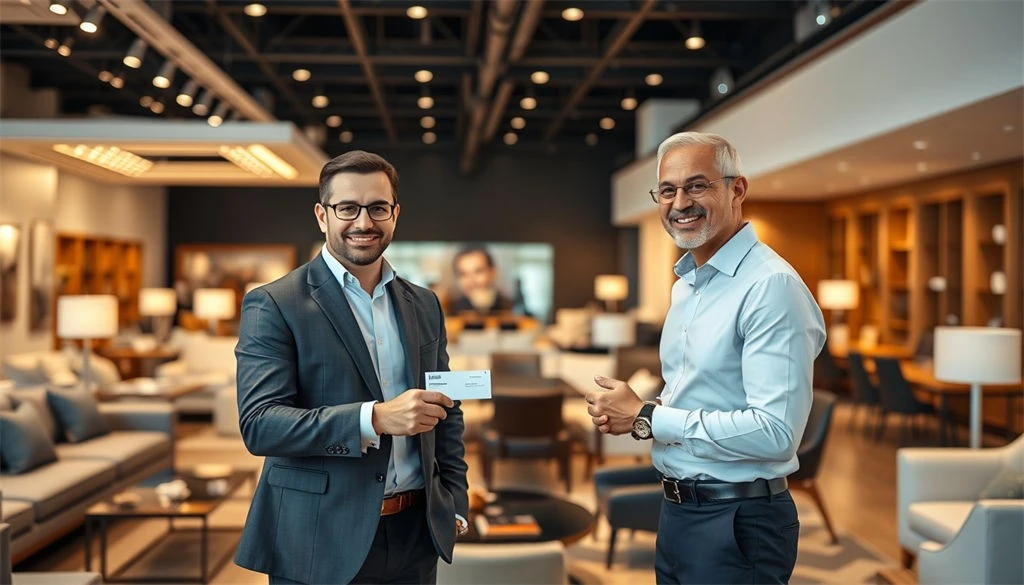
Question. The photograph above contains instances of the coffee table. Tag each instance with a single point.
(151, 388)
(167, 550)
(558, 518)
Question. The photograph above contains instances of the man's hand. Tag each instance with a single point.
(614, 409)
(410, 413)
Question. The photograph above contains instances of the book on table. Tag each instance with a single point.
(507, 525)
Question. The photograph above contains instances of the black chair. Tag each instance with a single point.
(528, 424)
(630, 498)
(812, 447)
(925, 345)
(827, 373)
(865, 394)
(898, 398)
(515, 365)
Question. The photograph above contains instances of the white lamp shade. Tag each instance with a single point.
(86, 316)
(611, 287)
(612, 330)
(838, 294)
(214, 303)
(157, 302)
(983, 355)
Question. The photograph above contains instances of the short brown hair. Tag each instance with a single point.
(357, 161)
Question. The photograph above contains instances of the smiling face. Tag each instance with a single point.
(700, 224)
(358, 244)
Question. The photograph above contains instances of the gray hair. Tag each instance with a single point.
(726, 157)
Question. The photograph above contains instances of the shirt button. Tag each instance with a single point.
(380, 341)
(696, 292)
(380, 478)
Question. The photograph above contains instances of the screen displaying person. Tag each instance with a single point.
(476, 276)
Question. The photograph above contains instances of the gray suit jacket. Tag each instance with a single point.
(303, 372)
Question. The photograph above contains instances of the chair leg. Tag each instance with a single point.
(812, 489)
(597, 522)
(906, 558)
(611, 548)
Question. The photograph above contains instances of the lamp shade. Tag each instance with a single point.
(982, 355)
(158, 302)
(214, 303)
(611, 287)
(86, 316)
(612, 330)
(838, 294)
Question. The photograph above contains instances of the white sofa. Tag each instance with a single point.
(940, 513)
(541, 563)
(203, 357)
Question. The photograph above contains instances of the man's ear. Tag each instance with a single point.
(739, 190)
(321, 217)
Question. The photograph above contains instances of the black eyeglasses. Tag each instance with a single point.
(350, 211)
(666, 193)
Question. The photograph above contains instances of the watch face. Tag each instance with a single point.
(642, 428)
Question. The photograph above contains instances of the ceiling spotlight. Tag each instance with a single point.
(202, 106)
(334, 121)
(255, 9)
(654, 79)
(540, 77)
(137, 50)
(628, 103)
(187, 94)
(606, 123)
(320, 100)
(428, 122)
(721, 82)
(920, 144)
(695, 41)
(117, 81)
(429, 138)
(51, 43)
(425, 102)
(416, 12)
(91, 21)
(64, 50)
(145, 101)
(572, 14)
(217, 117)
(165, 75)
(157, 107)
(346, 136)
(528, 103)
(518, 122)
(105, 76)
(423, 76)
(59, 6)
(510, 138)
(301, 75)
(822, 12)
(922, 167)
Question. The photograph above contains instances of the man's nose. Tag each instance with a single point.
(363, 220)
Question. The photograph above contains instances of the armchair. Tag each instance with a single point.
(629, 497)
(987, 549)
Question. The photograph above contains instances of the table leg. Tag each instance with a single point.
(103, 549)
(203, 533)
(975, 416)
(1010, 418)
(88, 544)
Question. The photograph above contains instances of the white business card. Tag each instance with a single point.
(465, 385)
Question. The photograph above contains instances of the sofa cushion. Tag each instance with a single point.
(78, 414)
(57, 370)
(53, 487)
(1008, 484)
(102, 371)
(18, 514)
(127, 450)
(23, 441)
(37, 397)
(23, 368)
(938, 521)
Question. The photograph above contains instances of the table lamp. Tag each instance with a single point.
(160, 305)
(976, 356)
(213, 304)
(611, 288)
(838, 296)
(86, 317)
(612, 330)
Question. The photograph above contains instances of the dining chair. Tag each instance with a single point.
(827, 373)
(866, 396)
(898, 398)
(810, 452)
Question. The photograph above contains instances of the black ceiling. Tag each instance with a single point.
(593, 63)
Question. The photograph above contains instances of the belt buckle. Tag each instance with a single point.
(675, 496)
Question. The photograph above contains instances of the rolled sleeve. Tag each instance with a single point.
(367, 434)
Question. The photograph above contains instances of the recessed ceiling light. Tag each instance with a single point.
(975, 155)
(922, 167)
(518, 122)
(255, 9)
(920, 144)
(628, 103)
(423, 75)
(425, 102)
(842, 166)
(591, 139)
(572, 14)
(416, 12)
(301, 75)
(528, 103)
(320, 101)
(510, 138)
(334, 121)
(654, 79)
(429, 138)
(346, 136)
(607, 123)
(428, 122)
(1008, 128)
(105, 76)
(540, 77)
(695, 41)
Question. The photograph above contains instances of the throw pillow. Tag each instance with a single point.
(102, 372)
(23, 441)
(23, 368)
(78, 414)
(1007, 485)
(57, 370)
(37, 398)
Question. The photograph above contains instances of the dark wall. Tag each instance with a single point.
(563, 199)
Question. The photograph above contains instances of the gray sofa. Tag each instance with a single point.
(50, 500)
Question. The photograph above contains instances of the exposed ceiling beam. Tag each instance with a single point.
(355, 32)
(524, 36)
(615, 45)
(706, 10)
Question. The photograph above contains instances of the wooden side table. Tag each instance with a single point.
(136, 364)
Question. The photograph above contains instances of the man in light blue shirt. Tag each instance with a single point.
(737, 351)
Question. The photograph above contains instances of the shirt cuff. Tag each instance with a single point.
(366, 432)
(668, 425)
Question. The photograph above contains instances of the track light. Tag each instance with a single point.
(51, 43)
(117, 81)
(607, 123)
(510, 138)
(137, 50)
(217, 117)
(202, 105)
(187, 95)
(157, 107)
(301, 75)
(346, 136)
(423, 76)
(255, 9)
(416, 12)
(572, 14)
(334, 121)
(425, 102)
(64, 50)
(540, 77)
(105, 76)
(654, 79)
(91, 21)
(320, 99)
(721, 82)
(428, 122)
(518, 122)
(628, 103)
(429, 138)
(165, 75)
(695, 41)
(59, 6)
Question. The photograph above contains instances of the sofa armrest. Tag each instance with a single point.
(986, 550)
(172, 369)
(139, 416)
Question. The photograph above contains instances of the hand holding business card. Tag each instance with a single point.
(466, 385)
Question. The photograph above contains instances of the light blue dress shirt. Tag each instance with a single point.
(378, 324)
(737, 351)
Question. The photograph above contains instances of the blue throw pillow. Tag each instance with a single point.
(23, 441)
(1007, 485)
(78, 414)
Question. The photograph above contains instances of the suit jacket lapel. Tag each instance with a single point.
(332, 302)
(401, 300)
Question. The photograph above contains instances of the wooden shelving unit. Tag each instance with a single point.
(991, 257)
(99, 265)
(837, 247)
(899, 238)
(867, 271)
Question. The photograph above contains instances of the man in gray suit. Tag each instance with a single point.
(364, 479)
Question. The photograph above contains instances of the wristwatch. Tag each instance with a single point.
(460, 527)
(642, 428)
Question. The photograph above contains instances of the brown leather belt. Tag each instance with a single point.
(402, 501)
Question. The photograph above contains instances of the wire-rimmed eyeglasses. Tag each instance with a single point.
(693, 190)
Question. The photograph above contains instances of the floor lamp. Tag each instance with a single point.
(86, 317)
(160, 305)
(838, 296)
(976, 356)
(214, 304)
